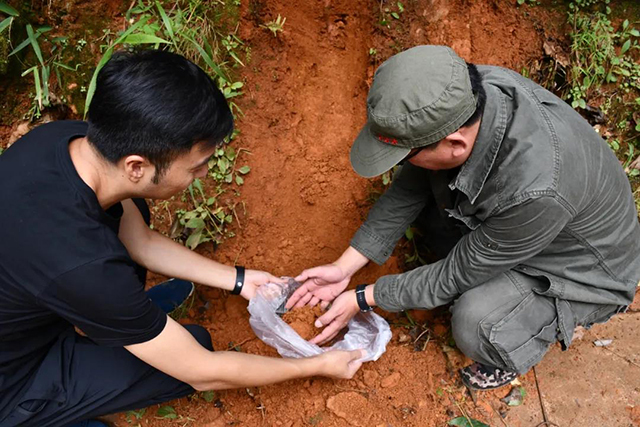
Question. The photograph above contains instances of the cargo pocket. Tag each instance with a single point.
(525, 334)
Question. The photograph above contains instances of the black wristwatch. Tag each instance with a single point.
(239, 283)
(362, 301)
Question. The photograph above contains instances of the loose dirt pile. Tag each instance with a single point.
(302, 321)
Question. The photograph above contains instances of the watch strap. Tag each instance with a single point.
(361, 299)
(239, 283)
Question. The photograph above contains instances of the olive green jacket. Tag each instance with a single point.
(541, 193)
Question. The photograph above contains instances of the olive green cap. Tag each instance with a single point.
(417, 98)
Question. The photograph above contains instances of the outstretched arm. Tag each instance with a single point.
(176, 353)
(164, 256)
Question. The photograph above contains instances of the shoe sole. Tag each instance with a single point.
(476, 388)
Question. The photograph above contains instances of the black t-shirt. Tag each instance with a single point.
(61, 262)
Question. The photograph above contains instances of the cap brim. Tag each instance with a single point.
(371, 157)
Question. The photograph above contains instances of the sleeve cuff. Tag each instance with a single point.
(148, 335)
(385, 293)
(372, 246)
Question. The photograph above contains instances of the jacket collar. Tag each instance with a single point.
(473, 173)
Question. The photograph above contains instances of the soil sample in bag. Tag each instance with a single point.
(302, 320)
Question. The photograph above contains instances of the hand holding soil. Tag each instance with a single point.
(342, 310)
(341, 364)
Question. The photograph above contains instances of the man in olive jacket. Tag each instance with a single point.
(529, 208)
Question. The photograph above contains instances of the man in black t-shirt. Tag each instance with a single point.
(72, 240)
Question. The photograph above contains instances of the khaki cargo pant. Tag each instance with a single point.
(505, 323)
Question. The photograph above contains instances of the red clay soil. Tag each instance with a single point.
(302, 321)
(304, 103)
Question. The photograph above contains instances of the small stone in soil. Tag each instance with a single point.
(391, 381)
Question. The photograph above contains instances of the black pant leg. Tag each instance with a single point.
(94, 381)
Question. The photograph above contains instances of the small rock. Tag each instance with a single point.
(352, 407)
(391, 381)
(602, 343)
(402, 338)
(20, 131)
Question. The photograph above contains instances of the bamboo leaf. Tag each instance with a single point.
(166, 21)
(8, 10)
(36, 78)
(45, 85)
(105, 58)
(5, 23)
(65, 66)
(43, 29)
(34, 43)
(21, 46)
(207, 59)
(92, 85)
(135, 39)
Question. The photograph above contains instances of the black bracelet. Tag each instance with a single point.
(239, 280)
(362, 300)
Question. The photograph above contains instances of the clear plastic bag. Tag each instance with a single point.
(367, 331)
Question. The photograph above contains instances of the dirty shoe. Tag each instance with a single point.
(482, 377)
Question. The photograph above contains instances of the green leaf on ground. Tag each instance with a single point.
(244, 170)
(467, 422)
(515, 396)
(209, 396)
(167, 412)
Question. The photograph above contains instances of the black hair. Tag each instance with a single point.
(157, 105)
(479, 92)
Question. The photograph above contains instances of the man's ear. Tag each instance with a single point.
(458, 145)
(135, 167)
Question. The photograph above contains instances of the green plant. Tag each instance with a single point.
(465, 421)
(208, 396)
(12, 14)
(135, 415)
(47, 61)
(276, 26)
(414, 255)
(393, 12)
(600, 53)
(209, 219)
(167, 412)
